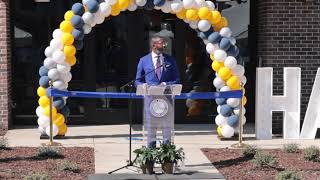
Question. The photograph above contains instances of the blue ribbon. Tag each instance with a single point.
(196, 95)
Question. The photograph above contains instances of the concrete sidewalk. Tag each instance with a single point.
(111, 143)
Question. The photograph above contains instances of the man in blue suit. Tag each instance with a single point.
(156, 68)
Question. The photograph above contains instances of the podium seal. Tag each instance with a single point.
(159, 107)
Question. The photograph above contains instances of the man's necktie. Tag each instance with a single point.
(158, 70)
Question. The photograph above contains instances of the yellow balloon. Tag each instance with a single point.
(204, 13)
(222, 23)
(216, 65)
(224, 73)
(182, 14)
(67, 39)
(192, 14)
(123, 4)
(244, 100)
(63, 130)
(215, 17)
(219, 131)
(115, 9)
(41, 91)
(44, 101)
(69, 50)
(68, 15)
(233, 82)
(66, 26)
(243, 91)
(212, 57)
(71, 60)
(47, 111)
(59, 120)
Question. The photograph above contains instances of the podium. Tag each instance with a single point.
(158, 112)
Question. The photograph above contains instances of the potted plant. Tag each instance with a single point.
(168, 156)
(145, 158)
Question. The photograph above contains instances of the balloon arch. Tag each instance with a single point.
(201, 15)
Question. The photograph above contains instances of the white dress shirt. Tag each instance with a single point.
(154, 60)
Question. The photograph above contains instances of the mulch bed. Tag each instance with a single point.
(232, 165)
(17, 162)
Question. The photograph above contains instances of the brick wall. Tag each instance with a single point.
(5, 66)
(288, 35)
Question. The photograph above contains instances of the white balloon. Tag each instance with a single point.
(243, 79)
(225, 88)
(220, 55)
(43, 121)
(193, 24)
(66, 77)
(132, 7)
(200, 3)
(233, 41)
(221, 120)
(105, 9)
(210, 48)
(55, 130)
(111, 2)
(141, 2)
(238, 70)
(176, 6)
(57, 34)
(225, 32)
(56, 44)
(48, 51)
(49, 63)
(87, 29)
(204, 25)
(186, 21)
(42, 130)
(99, 17)
(59, 85)
(166, 8)
(88, 18)
(244, 120)
(58, 56)
(233, 102)
(227, 131)
(39, 111)
(230, 62)
(85, 2)
(218, 109)
(205, 41)
(218, 82)
(210, 5)
(236, 111)
(53, 74)
(63, 68)
(188, 4)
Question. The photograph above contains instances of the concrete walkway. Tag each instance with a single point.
(111, 143)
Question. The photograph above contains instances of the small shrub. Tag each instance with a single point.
(249, 151)
(49, 152)
(262, 159)
(284, 175)
(36, 176)
(291, 148)
(68, 166)
(4, 143)
(311, 153)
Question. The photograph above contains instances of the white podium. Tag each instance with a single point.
(158, 112)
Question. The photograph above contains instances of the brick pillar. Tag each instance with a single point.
(5, 66)
(288, 35)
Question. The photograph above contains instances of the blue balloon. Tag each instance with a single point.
(220, 101)
(43, 71)
(225, 110)
(233, 120)
(77, 21)
(214, 38)
(159, 2)
(78, 44)
(233, 51)
(202, 35)
(77, 9)
(44, 81)
(93, 6)
(58, 102)
(149, 5)
(210, 31)
(78, 34)
(225, 44)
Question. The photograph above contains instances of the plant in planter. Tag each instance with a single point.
(168, 156)
(145, 158)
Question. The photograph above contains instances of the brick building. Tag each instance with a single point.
(280, 33)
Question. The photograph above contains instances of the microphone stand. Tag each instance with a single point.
(130, 84)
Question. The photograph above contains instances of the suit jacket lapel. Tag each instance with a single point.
(163, 68)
